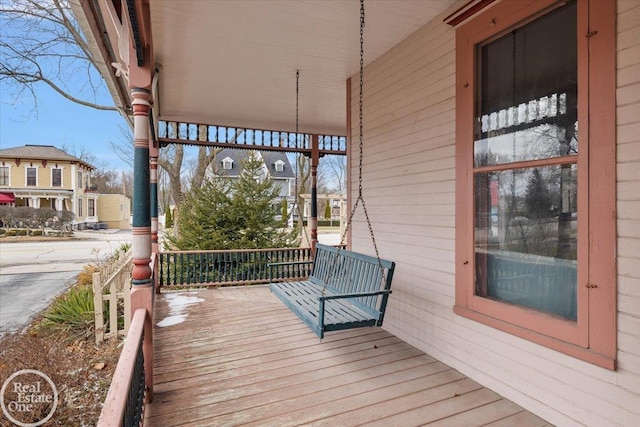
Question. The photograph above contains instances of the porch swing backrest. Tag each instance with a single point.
(348, 272)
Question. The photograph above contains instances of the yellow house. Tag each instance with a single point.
(43, 176)
(115, 211)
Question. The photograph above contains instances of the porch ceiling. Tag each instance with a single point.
(234, 62)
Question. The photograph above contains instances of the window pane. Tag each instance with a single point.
(527, 92)
(4, 175)
(31, 176)
(56, 177)
(526, 237)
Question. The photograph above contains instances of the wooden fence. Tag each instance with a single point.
(112, 298)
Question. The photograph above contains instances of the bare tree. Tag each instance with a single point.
(42, 44)
(173, 169)
(334, 173)
(123, 147)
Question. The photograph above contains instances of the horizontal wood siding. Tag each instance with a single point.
(628, 196)
(409, 189)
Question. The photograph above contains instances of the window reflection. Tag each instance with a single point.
(527, 103)
(539, 142)
(526, 237)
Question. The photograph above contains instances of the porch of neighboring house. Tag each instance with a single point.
(238, 356)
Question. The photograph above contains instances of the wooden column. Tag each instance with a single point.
(313, 221)
(141, 189)
(141, 65)
(153, 165)
(142, 289)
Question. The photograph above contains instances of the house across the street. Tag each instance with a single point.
(43, 176)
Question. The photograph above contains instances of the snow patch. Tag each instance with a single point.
(178, 303)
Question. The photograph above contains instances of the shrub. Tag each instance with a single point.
(21, 232)
(72, 311)
(36, 232)
(12, 233)
(85, 277)
(122, 249)
(2, 231)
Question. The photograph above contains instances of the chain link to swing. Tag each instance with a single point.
(360, 198)
(297, 195)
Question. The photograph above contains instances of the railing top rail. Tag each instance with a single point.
(113, 265)
(109, 275)
(234, 251)
(116, 400)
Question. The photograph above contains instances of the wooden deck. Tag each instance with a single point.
(241, 358)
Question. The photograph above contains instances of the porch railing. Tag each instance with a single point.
(170, 132)
(124, 405)
(230, 267)
(112, 295)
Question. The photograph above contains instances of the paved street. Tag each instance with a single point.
(33, 273)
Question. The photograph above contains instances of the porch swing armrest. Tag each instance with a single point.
(354, 295)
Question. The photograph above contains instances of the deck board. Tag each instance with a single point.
(240, 357)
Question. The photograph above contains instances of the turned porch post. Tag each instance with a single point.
(153, 164)
(313, 221)
(142, 288)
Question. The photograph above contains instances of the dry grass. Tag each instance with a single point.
(80, 370)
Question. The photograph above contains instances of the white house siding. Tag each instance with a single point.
(409, 189)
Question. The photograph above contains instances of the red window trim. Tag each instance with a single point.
(593, 337)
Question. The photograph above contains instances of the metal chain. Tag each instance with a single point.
(360, 198)
(304, 229)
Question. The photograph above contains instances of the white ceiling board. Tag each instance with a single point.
(234, 62)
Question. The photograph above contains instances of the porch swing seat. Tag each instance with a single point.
(345, 290)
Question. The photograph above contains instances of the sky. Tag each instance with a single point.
(61, 122)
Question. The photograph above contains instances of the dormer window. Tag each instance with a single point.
(279, 166)
(227, 163)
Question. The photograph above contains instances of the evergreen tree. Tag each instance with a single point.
(168, 219)
(203, 218)
(538, 199)
(254, 208)
(327, 210)
(284, 208)
(231, 214)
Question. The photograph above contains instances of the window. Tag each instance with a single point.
(535, 231)
(279, 165)
(56, 177)
(32, 177)
(4, 175)
(227, 163)
(79, 179)
(91, 207)
(79, 206)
